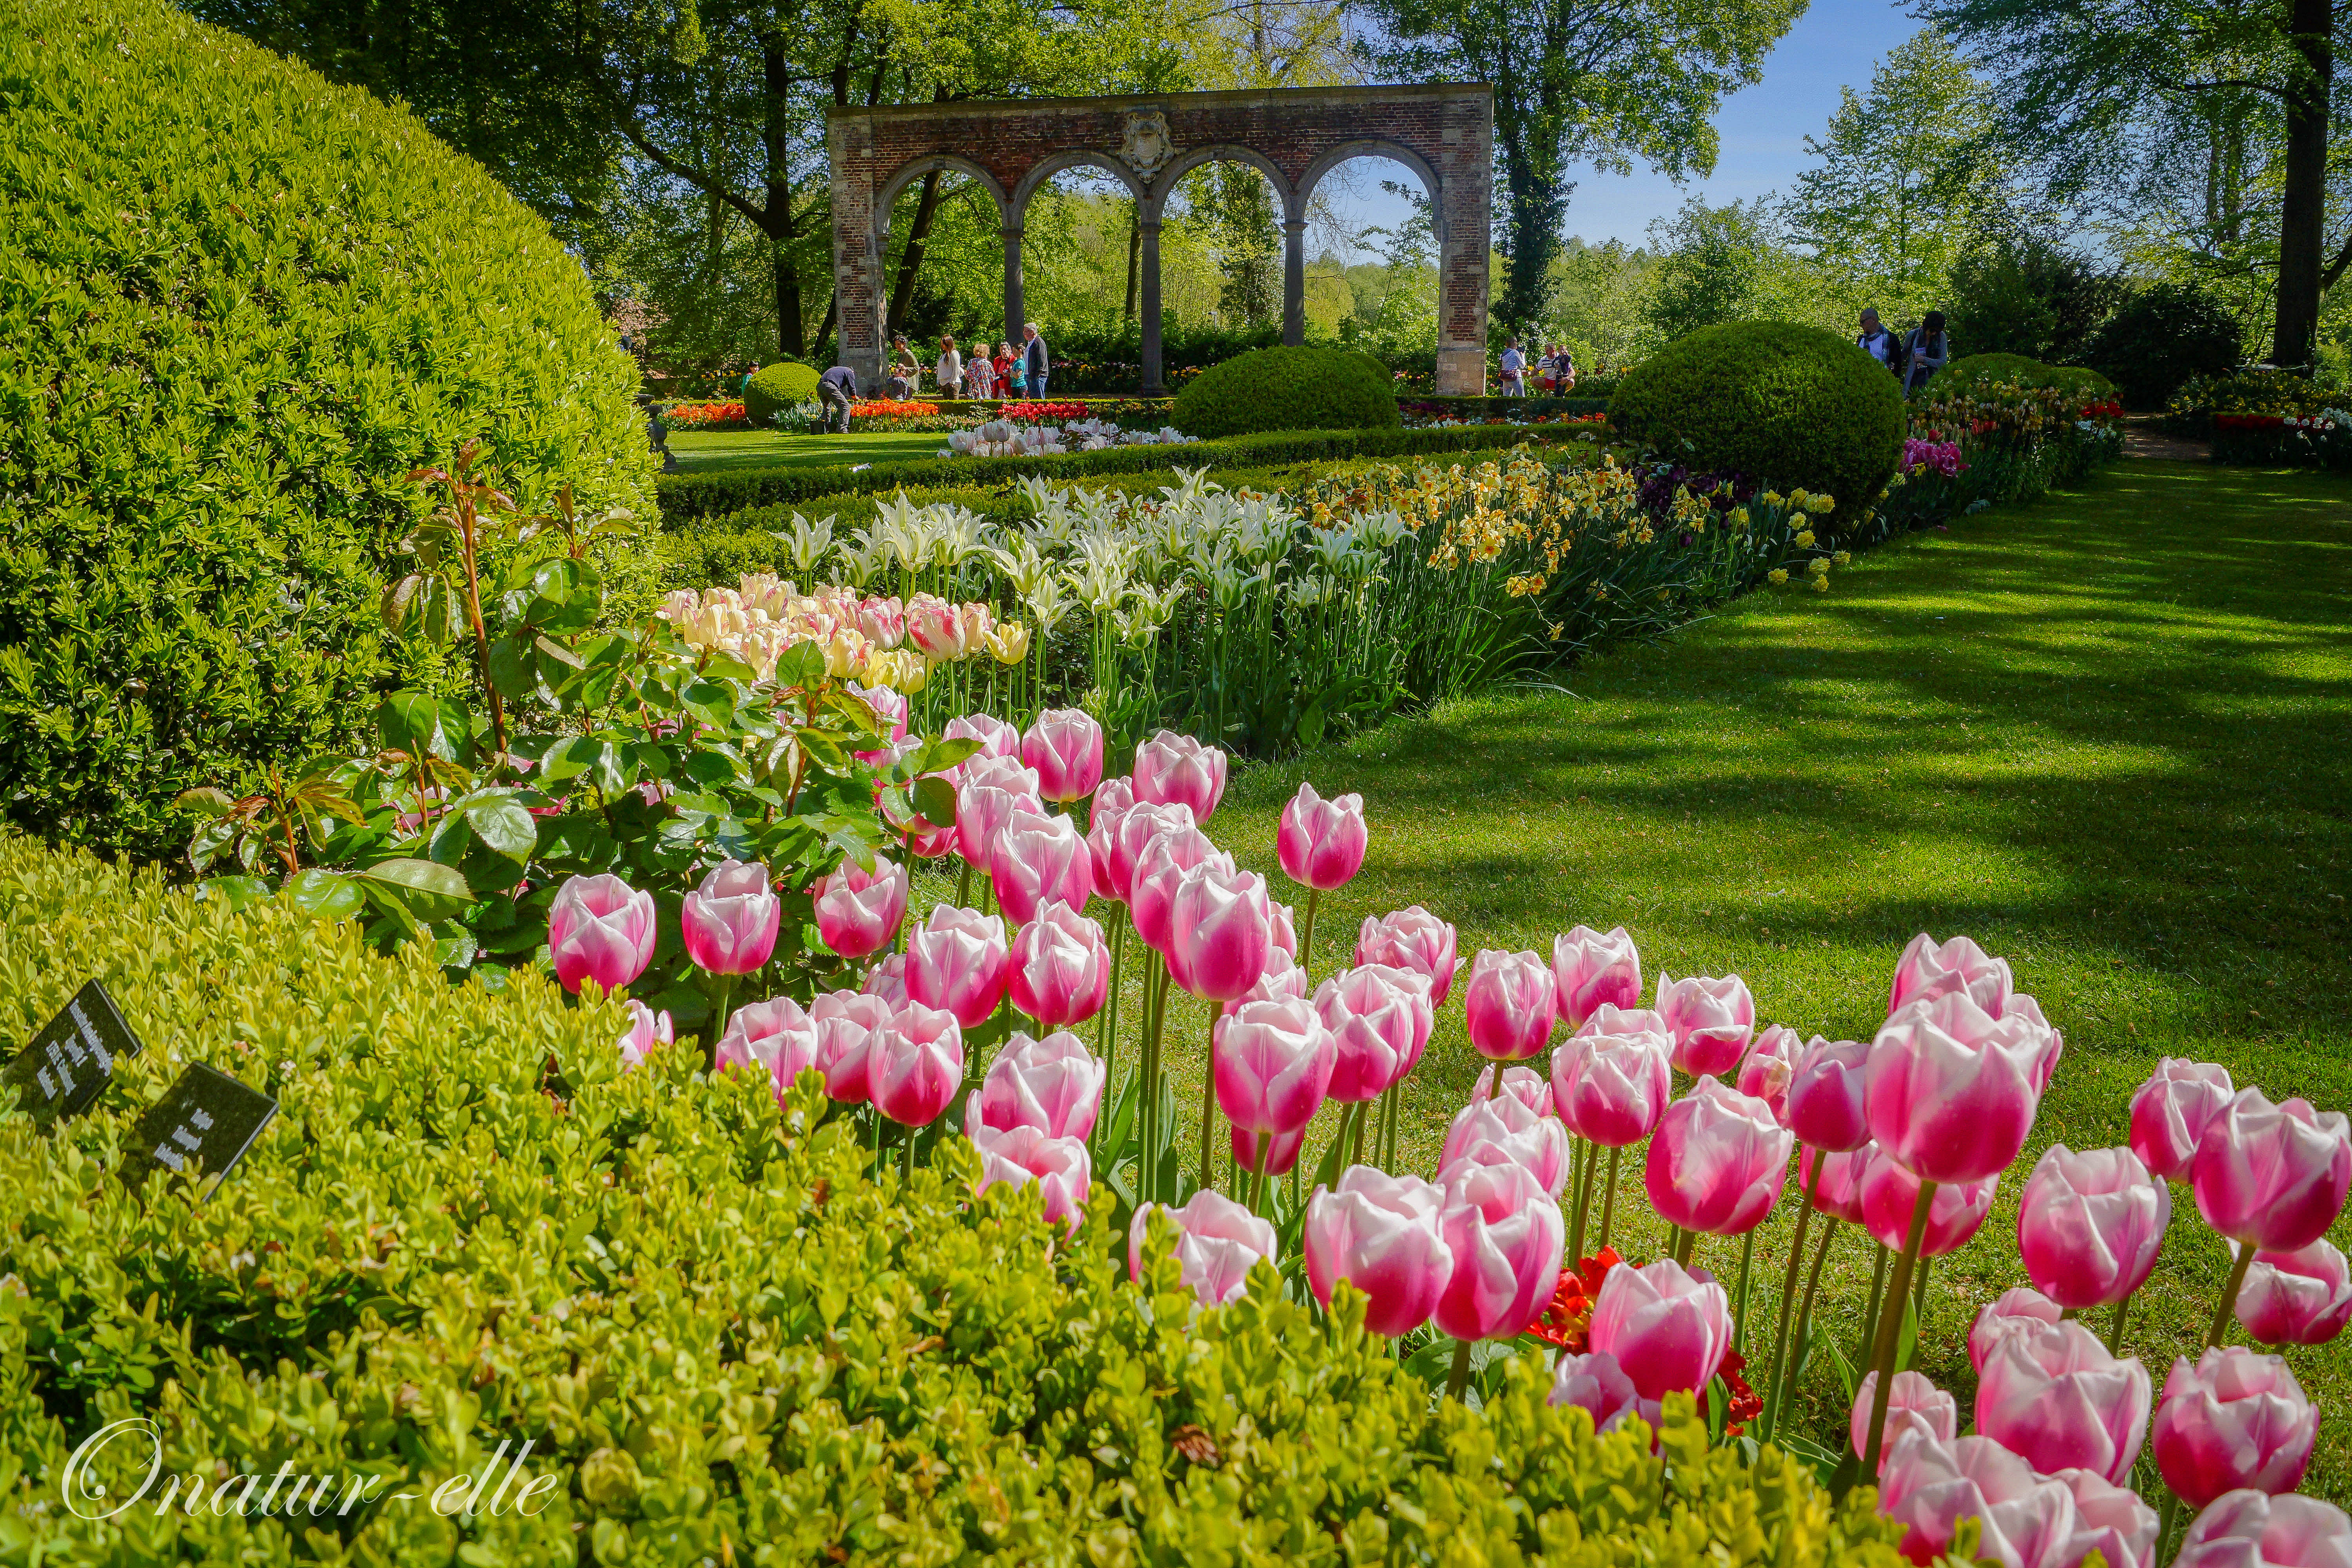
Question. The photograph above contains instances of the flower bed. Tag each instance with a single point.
(891, 408)
(713, 415)
(1041, 413)
(1004, 438)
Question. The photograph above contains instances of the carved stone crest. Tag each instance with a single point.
(1147, 145)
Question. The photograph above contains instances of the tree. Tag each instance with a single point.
(1601, 82)
(2093, 86)
(1710, 266)
(2019, 294)
(1601, 297)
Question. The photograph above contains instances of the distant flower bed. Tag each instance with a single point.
(714, 415)
(1039, 413)
(891, 408)
(1004, 438)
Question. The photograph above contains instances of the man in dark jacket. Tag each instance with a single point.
(836, 389)
(1036, 361)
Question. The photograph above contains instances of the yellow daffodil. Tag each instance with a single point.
(1804, 538)
(1778, 575)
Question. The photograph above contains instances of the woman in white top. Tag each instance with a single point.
(950, 370)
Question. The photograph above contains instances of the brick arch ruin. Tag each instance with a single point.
(1294, 136)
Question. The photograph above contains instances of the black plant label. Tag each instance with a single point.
(202, 1126)
(69, 1063)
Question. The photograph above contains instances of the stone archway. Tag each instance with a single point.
(1294, 136)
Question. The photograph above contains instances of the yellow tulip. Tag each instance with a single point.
(1009, 643)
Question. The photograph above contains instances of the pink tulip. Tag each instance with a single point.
(1053, 1085)
(2109, 1520)
(1060, 969)
(1160, 871)
(731, 921)
(1595, 1383)
(1065, 748)
(1718, 1161)
(1890, 1195)
(1506, 1235)
(1275, 1152)
(1766, 1071)
(887, 980)
(600, 929)
(982, 809)
(1610, 1019)
(1928, 970)
(2019, 1308)
(933, 625)
(1511, 1005)
(1526, 1084)
(1838, 1193)
(1220, 932)
(1380, 1021)
(1824, 1106)
(1038, 860)
(956, 960)
(1113, 799)
(846, 1023)
(1711, 1021)
(1321, 842)
(1916, 1407)
(2025, 1011)
(2169, 1113)
(1218, 1242)
(1506, 1129)
(1060, 1167)
(1385, 1236)
(2054, 1397)
(1273, 1065)
(1950, 1092)
(1930, 1487)
(2274, 1175)
(774, 1039)
(2250, 1529)
(2236, 1418)
(1285, 927)
(1282, 981)
(1178, 770)
(2300, 1297)
(857, 911)
(2091, 1225)
(646, 1029)
(996, 738)
(889, 709)
(1587, 969)
(884, 622)
(1667, 1328)
(924, 839)
(913, 1063)
(1119, 842)
(1612, 1089)
(1411, 938)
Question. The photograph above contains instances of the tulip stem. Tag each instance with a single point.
(907, 1170)
(1608, 1204)
(1307, 937)
(725, 987)
(1739, 1323)
(1458, 1378)
(1262, 1151)
(2164, 1522)
(1890, 1329)
(2219, 1330)
(1106, 1029)
(1919, 1301)
(1788, 1295)
(1360, 1113)
(1147, 1160)
(1209, 1099)
(1385, 1155)
(2116, 1329)
(1584, 1200)
(963, 885)
(1870, 1317)
(1805, 1320)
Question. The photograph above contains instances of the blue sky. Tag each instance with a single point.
(1762, 128)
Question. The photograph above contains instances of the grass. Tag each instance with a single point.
(2110, 735)
(719, 451)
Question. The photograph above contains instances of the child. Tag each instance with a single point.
(1016, 372)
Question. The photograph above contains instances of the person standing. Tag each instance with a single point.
(836, 389)
(948, 375)
(744, 387)
(901, 384)
(1879, 343)
(1515, 369)
(1016, 372)
(978, 374)
(1033, 359)
(1925, 352)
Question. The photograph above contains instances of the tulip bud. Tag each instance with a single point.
(1065, 748)
(1380, 1020)
(600, 929)
(2235, 1419)
(1509, 1130)
(1765, 1071)
(1950, 1093)
(1272, 1153)
(2250, 1529)
(1220, 932)
(774, 1039)
(1594, 1382)
(2274, 1175)
(2169, 1111)
(1218, 1242)
(2055, 1398)
(1711, 1021)
(1667, 1328)
(1321, 843)
(1717, 1161)
(956, 960)
(1273, 1065)
(1511, 1005)
(1916, 1407)
(1526, 1084)
(1930, 1487)
(1383, 1234)
(730, 921)
(1053, 1085)
(2014, 1309)
(1411, 938)
(1612, 1089)
(1959, 966)
(646, 1029)
(1824, 1106)
(1587, 969)
(845, 1025)
(1038, 860)
(1060, 1167)
(857, 911)
(1506, 1235)
(1178, 769)
(2300, 1297)
(1059, 972)
(1838, 1194)
(913, 1063)
(1890, 1195)
(2090, 1225)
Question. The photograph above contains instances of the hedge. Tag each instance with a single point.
(723, 1339)
(787, 383)
(1285, 389)
(239, 305)
(1513, 407)
(1981, 373)
(687, 497)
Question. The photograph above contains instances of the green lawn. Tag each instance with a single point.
(2110, 735)
(716, 451)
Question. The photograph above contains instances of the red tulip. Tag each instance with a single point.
(2300, 1297)
(1506, 1235)
(1890, 1194)
(2090, 1225)
(1383, 1234)
(1059, 971)
(1411, 938)
(2169, 1111)
(956, 960)
(1321, 843)
(1172, 768)
(1510, 1004)
(1718, 1161)
(1065, 748)
(1950, 1094)
(1612, 1089)
(2274, 1175)
(2236, 1418)
(1824, 1107)
(1711, 1021)
(1928, 970)
(1587, 969)
(2054, 1397)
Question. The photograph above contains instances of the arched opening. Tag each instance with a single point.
(1222, 242)
(939, 220)
(1373, 259)
(1081, 275)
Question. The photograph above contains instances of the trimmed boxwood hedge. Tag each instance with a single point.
(1791, 405)
(239, 304)
(687, 497)
(1288, 389)
(724, 1341)
(787, 383)
(1981, 373)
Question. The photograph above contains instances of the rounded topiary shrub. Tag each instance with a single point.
(787, 383)
(1979, 374)
(1785, 404)
(1288, 389)
(240, 306)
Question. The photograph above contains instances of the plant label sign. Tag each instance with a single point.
(206, 1122)
(69, 1064)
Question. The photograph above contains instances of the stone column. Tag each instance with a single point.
(1015, 313)
(1294, 281)
(1148, 224)
(857, 252)
(1463, 202)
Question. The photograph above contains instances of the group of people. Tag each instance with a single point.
(1553, 372)
(1007, 372)
(1912, 358)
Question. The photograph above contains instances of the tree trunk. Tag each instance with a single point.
(817, 350)
(910, 260)
(2303, 210)
(775, 136)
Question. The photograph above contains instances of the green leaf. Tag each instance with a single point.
(425, 890)
(425, 725)
(936, 799)
(550, 649)
(566, 595)
(239, 892)
(510, 669)
(324, 895)
(503, 825)
(711, 703)
(207, 801)
(941, 755)
(800, 665)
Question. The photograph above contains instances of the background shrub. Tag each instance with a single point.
(239, 305)
(1785, 404)
(1288, 389)
(2160, 338)
(778, 387)
(1978, 373)
(724, 1338)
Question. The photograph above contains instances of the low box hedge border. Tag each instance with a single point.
(1513, 407)
(687, 497)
